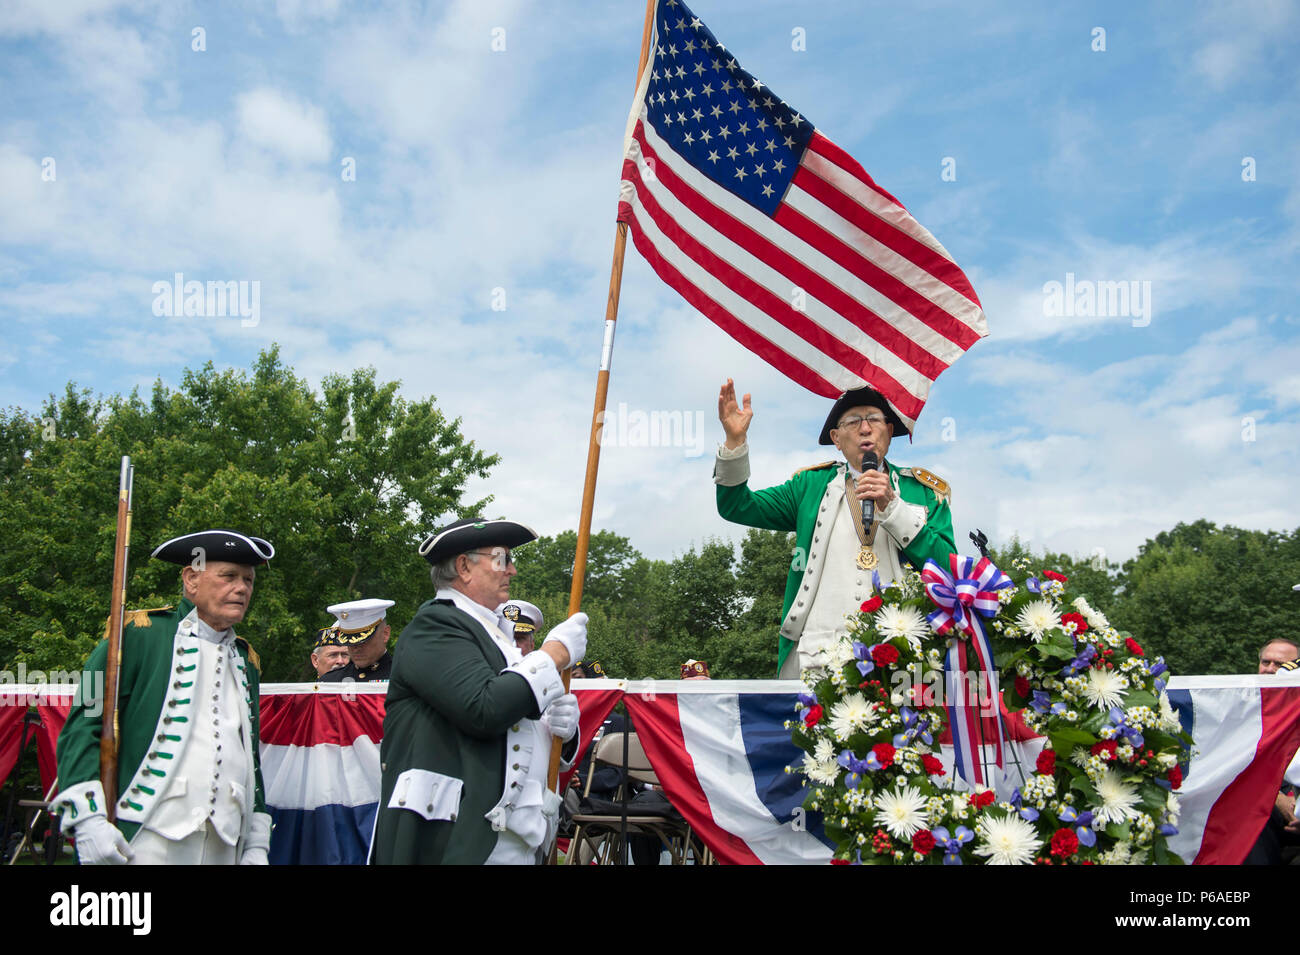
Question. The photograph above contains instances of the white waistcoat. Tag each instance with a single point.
(833, 586)
(214, 770)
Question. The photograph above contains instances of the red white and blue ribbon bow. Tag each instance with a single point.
(965, 595)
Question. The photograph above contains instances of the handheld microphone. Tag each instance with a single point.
(869, 460)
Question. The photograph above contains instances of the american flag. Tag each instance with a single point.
(778, 236)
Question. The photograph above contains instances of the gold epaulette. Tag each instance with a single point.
(933, 482)
(138, 618)
(253, 658)
(815, 467)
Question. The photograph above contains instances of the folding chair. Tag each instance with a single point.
(598, 835)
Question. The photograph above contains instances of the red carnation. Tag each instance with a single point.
(1105, 749)
(933, 765)
(1064, 843)
(884, 754)
(980, 800)
(814, 716)
(1053, 575)
(1023, 689)
(1134, 647)
(1047, 762)
(923, 842)
(872, 605)
(1080, 625)
(1176, 776)
(883, 655)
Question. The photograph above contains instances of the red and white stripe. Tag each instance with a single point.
(883, 304)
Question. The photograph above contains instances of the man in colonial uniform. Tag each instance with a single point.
(364, 631)
(189, 773)
(836, 553)
(469, 718)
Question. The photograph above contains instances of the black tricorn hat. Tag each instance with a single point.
(854, 398)
(220, 545)
(471, 533)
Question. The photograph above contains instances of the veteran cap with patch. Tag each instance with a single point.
(357, 620)
(471, 533)
(327, 637)
(695, 670)
(216, 545)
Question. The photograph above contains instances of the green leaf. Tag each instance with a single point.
(1141, 698)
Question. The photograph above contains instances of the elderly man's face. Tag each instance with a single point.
(1274, 655)
(368, 653)
(865, 434)
(324, 659)
(221, 592)
(484, 575)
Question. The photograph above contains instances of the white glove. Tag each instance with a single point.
(255, 856)
(561, 718)
(572, 635)
(99, 842)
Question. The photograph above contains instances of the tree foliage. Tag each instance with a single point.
(344, 484)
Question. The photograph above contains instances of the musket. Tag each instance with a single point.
(108, 740)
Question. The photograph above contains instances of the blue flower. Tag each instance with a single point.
(952, 844)
(862, 653)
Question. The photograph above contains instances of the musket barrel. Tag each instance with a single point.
(108, 741)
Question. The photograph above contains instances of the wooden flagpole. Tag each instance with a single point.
(598, 412)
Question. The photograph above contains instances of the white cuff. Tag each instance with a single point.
(903, 521)
(543, 678)
(259, 832)
(731, 468)
(81, 802)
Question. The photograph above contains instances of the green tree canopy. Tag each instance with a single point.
(344, 483)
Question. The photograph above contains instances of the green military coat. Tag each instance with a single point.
(154, 720)
(794, 506)
(448, 713)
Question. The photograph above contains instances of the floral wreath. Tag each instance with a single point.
(1102, 789)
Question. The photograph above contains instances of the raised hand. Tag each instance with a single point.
(735, 419)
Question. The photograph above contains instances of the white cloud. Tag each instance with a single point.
(296, 130)
(299, 14)
(1240, 37)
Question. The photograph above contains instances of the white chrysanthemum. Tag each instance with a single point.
(1037, 617)
(1007, 840)
(1094, 617)
(1118, 798)
(839, 654)
(901, 811)
(1119, 854)
(820, 765)
(851, 714)
(893, 621)
(1169, 721)
(1105, 688)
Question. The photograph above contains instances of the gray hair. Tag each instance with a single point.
(444, 573)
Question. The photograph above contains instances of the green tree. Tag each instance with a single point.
(343, 483)
(546, 566)
(1207, 598)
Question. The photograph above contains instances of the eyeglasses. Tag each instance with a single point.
(852, 422)
(500, 557)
